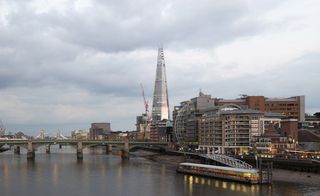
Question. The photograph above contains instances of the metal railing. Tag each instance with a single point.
(230, 161)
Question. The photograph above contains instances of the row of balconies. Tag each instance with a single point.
(237, 140)
(226, 133)
(237, 136)
(237, 128)
(211, 138)
(237, 132)
(210, 127)
(237, 144)
(207, 124)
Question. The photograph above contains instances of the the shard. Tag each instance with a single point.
(160, 106)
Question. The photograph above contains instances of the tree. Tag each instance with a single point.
(317, 114)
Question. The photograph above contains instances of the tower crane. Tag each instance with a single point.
(145, 102)
(2, 128)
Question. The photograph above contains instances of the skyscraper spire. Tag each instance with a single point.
(160, 106)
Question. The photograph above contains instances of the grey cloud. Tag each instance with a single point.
(43, 45)
(106, 50)
(301, 76)
(146, 25)
(117, 26)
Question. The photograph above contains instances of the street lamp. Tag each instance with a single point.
(294, 143)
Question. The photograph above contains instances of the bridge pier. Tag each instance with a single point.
(124, 154)
(16, 149)
(125, 150)
(108, 148)
(60, 146)
(48, 148)
(79, 151)
(30, 153)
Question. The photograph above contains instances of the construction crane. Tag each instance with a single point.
(145, 102)
(2, 128)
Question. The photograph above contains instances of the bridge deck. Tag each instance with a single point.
(84, 142)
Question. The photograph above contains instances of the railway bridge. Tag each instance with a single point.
(31, 145)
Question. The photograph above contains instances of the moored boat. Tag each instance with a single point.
(250, 176)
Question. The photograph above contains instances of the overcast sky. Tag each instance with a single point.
(67, 63)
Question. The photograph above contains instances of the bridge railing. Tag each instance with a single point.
(230, 161)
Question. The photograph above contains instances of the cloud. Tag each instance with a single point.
(72, 62)
(118, 26)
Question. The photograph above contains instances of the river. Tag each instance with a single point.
(59, 173)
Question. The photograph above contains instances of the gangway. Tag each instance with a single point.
(230, 161)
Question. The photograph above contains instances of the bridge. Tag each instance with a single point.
(31, 145)
(230, 161)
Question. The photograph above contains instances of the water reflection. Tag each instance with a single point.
(79, 161)
(5, 169)
(31, 163)
(55, 173)
(191, 181)
(99, 174)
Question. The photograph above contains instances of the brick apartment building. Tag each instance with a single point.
(292, 107)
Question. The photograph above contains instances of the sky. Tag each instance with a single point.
(67, 63)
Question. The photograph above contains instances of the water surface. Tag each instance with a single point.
(59, 173)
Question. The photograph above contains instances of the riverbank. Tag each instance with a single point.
(305, 178)
(169, 160)
(278, 175)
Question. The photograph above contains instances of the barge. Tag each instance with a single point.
(251, 176)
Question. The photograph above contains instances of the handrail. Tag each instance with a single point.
(230, 161)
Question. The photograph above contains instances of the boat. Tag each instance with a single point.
(250, 176)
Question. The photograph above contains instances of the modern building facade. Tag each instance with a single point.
(186, 118)
(161, 126)
(292, 107)
(160, 106)
(266, 122)
(228, 129)
(99, 130)
(143, 126)
(313, 121)
(161, 131)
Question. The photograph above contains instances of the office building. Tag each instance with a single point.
(100, 130)
(160, 106)
(228, 129)
(143, 126)
(292, 107)
(161, 131)
(160, 115)
(186, 118)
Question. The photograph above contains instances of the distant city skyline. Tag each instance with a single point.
(64, 65)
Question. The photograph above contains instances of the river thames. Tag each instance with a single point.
(59, 173)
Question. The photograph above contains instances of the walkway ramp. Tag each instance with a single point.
(230, 161)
